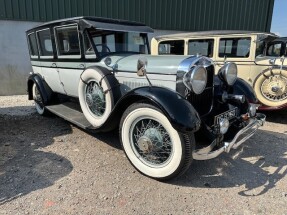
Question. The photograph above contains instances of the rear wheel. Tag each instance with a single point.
(152, 145)
(37, 97)
(271, 88)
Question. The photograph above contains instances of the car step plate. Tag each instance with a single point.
(70, 114)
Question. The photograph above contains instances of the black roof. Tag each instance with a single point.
(100, 23)
(283, 39)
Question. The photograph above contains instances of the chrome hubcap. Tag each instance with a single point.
(151, 142)
(275, 88)
(95, 98)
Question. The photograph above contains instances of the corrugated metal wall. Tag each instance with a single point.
(190, 15)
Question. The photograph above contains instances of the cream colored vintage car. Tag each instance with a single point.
(258, 63)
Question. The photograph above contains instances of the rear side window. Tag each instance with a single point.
(171, 47)
(201, 47)
(45, 43)
(32, 42)
(68, 41)
(234, 47)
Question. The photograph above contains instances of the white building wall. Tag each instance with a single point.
(14, 55)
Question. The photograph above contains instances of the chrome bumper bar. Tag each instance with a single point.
(243, 135)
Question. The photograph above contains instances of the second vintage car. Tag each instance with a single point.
(259, 58)
(97, 73)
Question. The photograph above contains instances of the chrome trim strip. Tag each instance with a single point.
(245, 133)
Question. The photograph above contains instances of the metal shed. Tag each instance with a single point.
(183, 15)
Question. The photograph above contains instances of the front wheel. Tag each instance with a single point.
(152, 145)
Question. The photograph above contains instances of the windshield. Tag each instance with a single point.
(109, 42)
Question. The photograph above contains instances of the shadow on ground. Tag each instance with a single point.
(277, 116)
(24, 167)
(258, 166)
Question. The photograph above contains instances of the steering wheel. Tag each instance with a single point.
(104, 47)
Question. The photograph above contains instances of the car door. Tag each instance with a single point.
(49, 70)
(70, 64)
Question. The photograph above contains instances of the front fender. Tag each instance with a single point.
(181, 114)
(241, 87)
(43, 87)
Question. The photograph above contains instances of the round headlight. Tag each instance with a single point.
(195, 79)
(229, 73)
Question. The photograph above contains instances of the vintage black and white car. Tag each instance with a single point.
(97, 73)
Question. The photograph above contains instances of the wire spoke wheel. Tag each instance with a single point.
(151, 142)
(95, 98)
(274, 88)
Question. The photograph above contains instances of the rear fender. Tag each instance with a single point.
(43, 87)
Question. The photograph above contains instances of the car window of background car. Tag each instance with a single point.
(201, 47)
(274, 49)
(45, 42)
(68, 40)
(234, 47)
(172, 47)
(32, 44)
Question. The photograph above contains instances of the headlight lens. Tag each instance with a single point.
(195, 79)
(229, 73)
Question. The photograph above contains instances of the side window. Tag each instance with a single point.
(68, 42)
(171, 47)
(32, 42)
(274, 49)
(45, 43)
(234, 47)
(201, 47)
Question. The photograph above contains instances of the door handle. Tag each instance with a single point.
(54, 65)
(81, 66)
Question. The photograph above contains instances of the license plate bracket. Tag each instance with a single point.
(230, 114)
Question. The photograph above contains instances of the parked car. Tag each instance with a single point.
(97, 73)
(257, 55)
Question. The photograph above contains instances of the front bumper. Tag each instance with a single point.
(242, 135)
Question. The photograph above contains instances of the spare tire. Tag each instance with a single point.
(98, 92)
(271, 87)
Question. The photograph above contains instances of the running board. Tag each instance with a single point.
(67, 112)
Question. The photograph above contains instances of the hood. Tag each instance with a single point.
(156, 64)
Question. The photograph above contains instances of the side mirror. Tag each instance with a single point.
(141, 67)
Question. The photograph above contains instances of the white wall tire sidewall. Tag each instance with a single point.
(177, 154)
(40, 110)
(257, 89)
(88, 75)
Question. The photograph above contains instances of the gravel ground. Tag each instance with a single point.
(48, 166)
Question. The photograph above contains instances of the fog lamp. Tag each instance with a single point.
(252, 109)
(223, 125)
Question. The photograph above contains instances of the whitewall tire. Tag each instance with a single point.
(40, 108)
(271, 87)
(152, 145)
(96, 95)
